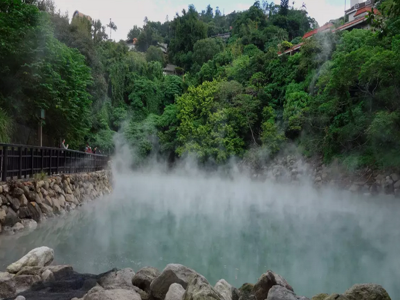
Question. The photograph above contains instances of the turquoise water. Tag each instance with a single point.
(234, 229)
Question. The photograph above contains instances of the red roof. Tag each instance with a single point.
(365, 9)
(320, 29)
(350, 24)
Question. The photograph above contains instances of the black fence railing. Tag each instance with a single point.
(20, 161)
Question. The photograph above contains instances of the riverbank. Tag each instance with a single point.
(33, 277)
(24, 204)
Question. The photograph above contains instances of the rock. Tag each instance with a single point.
(24, 282)
(302, 298)
(175, 292)
(354, 188)
(29, 224)
(60, 271)
(144, 277)
(14, 203)
(30, 271)
(24, 213)
(40, 257)
(266, 282)
(117, 279)
(199, 289)
(7, 285)
(395, 177)
(22, 200)
(11, 218)
(46, 209)
(98, 293)
(18, 226)
(70, 198)
(1, 189)
(47, 200)
(47, 276)
(3, 214)
(173, 273)
(224, 288)
(366, 292)
(320, 297)
(278, 292)
(61, 200)
(336, 297)
(35, 211)
(20, 298)
(397, 185)
(56, 205)
(18, 192)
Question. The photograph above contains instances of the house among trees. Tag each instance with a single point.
(78, 14)
(131, 44)
(355, 17)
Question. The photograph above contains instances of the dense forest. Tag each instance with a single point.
(338, 97)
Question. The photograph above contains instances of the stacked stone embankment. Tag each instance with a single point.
(33, 278)
(23, 204)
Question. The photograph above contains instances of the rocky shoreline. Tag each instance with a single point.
(24, 204)
(33, 277)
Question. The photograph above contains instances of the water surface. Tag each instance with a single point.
(320, 241)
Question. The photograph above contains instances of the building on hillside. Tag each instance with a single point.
(163, 47)
(78, 14)
(131, 44)
(356, 16)
(224, 36)
(169, 70)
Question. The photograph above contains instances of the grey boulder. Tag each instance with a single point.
(98, 293)
(38, 257)
(224, 288)
(278, 292)
(173, 273)
(266, 282)
(199, 289)
(7, 285)
(144, 277)
(366, 292)
(117, 279)
(175, 292)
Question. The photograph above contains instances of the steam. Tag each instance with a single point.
(227, 227)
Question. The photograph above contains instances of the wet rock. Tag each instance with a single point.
(60, 271)
(397, 185)
(395, 177)
(199, 289)
(117, 279)
(11, 218)
(39, 257)
(35, 211)
(25, 282)
(266, 282)
(366, 292)
(3, 214)
(47, 276)
(7, 285)
(29, 224)
(18, 226)
(70, 198)
(175, 292)
(144, 277)
(47, 200)
(18, 192)
(224, 288)
(173, 273)
(20, 298)
(24, 213)
(98, 293)
(320, 297)
(46, 209)
(278, 292)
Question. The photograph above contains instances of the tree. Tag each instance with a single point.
(155, 54)
(284, 7)
(134, 33)
(206, 49)
(112, 27)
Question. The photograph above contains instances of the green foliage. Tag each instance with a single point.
(271, 138)
(155, 54)
(5, 127)
(204, 50)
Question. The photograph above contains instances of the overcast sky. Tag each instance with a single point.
(126, 13)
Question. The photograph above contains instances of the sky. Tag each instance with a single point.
(127, 13)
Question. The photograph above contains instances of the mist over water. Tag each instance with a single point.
(231, 228)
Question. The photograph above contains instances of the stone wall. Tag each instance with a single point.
(25, 203)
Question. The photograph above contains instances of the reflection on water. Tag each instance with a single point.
(232, 229)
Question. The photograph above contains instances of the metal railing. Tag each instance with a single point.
(21, 161)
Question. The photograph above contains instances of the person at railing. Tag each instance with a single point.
(63, 145)
(88, 149)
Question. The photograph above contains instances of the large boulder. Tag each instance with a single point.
(98, 293)
(335, 297)
(7, 285)
(117, 279)
(224, 288)
(60, 271)
(38, 257)
(366, 292)
(199, 289)
(173, 273)
(30, 271)
(35, 211)
(175, 292)
(266, 282)
(144, 277)
(278, 292)
(11, 218)
(25, 282)
(245, 291)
